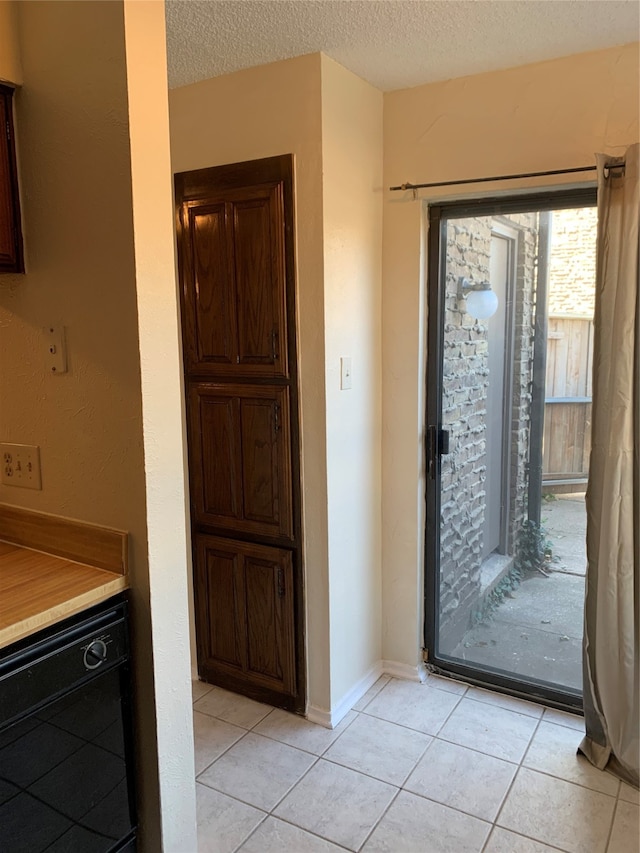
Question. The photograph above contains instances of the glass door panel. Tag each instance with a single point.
(514, 305)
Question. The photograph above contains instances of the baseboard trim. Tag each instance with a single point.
(356, 693)
(404, 670)
(319, 716)
(330, 719)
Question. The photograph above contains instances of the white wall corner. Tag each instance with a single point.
(405, 670)
(330, 719)
(320, 716)
(163, 423)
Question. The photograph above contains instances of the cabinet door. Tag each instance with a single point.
(240, 462)
(231, 249)
(244, 614)
(10, 233)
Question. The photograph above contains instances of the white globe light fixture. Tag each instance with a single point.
(482, 302)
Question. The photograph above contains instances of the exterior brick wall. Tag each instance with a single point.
(465, 377)
(465, 382)
(572, 264)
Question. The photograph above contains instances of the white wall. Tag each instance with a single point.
(549, 115)
(10, 62)
(352, 225)
(87, 269)
(332, 121)
(162, 418)
(262, 112)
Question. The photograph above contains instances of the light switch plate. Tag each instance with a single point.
(345, 374)
(56, 349)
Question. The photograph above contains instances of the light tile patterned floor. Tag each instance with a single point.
(414, 768)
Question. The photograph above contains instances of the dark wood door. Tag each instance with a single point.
(235, 254)
(244, 604)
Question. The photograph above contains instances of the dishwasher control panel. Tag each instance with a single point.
(41, 671)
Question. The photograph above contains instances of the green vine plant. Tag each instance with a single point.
(534, 550)
(490, 603)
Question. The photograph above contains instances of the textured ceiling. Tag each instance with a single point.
(394, 44)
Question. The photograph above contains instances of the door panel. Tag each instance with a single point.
(267, 583)
(217, 429)
(262, 457)
(259, 275)
(219, 605)
(499, 360)
(245, 605)
(213, 296)
(240, 458)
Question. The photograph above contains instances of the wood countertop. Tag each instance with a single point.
(38, 589)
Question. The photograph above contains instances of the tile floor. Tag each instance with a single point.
(433, 768)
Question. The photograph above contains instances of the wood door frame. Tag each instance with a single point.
(194, 184)
(436, 242)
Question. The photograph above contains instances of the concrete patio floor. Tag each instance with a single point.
(537, 630)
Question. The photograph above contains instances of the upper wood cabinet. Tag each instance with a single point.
(232, 256)
(11, 257)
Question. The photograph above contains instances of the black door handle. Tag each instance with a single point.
(437, 446)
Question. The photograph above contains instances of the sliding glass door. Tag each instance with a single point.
(511, 286)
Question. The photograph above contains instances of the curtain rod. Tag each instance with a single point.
(408, 186)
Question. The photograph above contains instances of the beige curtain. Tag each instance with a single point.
(611, 639)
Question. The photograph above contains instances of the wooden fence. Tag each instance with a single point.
(567, 411)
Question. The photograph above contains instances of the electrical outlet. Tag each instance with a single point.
(21, 465)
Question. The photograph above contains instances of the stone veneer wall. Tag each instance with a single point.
(572, 263)
(465, 381)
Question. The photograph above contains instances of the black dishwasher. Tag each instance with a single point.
(66, 762)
